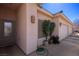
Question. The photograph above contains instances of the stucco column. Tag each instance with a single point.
(31, 29)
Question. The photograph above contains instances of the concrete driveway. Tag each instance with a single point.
(67, 47)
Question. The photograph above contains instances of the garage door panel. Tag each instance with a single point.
(63, 31)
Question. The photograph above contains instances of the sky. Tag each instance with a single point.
(71, 10)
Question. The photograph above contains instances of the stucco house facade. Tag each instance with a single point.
(63, 27)
(28, 18)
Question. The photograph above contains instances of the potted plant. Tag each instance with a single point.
(40, 51)
(51, 28)
(45, 28)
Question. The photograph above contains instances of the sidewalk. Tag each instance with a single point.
(67, 47)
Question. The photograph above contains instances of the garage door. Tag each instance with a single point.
(70, 30)
(63, 31)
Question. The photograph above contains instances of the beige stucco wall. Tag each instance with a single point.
(21, 27)
(42, 16)
(32, 28)
(27, 32)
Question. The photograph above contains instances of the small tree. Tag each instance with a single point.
(48, 28)
(45, 27)
(51, 28)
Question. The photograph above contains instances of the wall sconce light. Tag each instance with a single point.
(32, 19)
(60, 24)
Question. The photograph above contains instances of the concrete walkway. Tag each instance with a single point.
(67, 47)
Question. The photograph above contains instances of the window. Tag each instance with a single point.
(7, 28)
(40, 33)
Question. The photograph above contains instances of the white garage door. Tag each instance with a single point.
(63, 31)
(70, 30)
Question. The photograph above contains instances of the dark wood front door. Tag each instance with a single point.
(7, 33)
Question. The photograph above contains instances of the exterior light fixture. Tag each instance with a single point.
(60, 24)
(32, 19)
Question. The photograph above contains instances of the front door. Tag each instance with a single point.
(7, 33)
